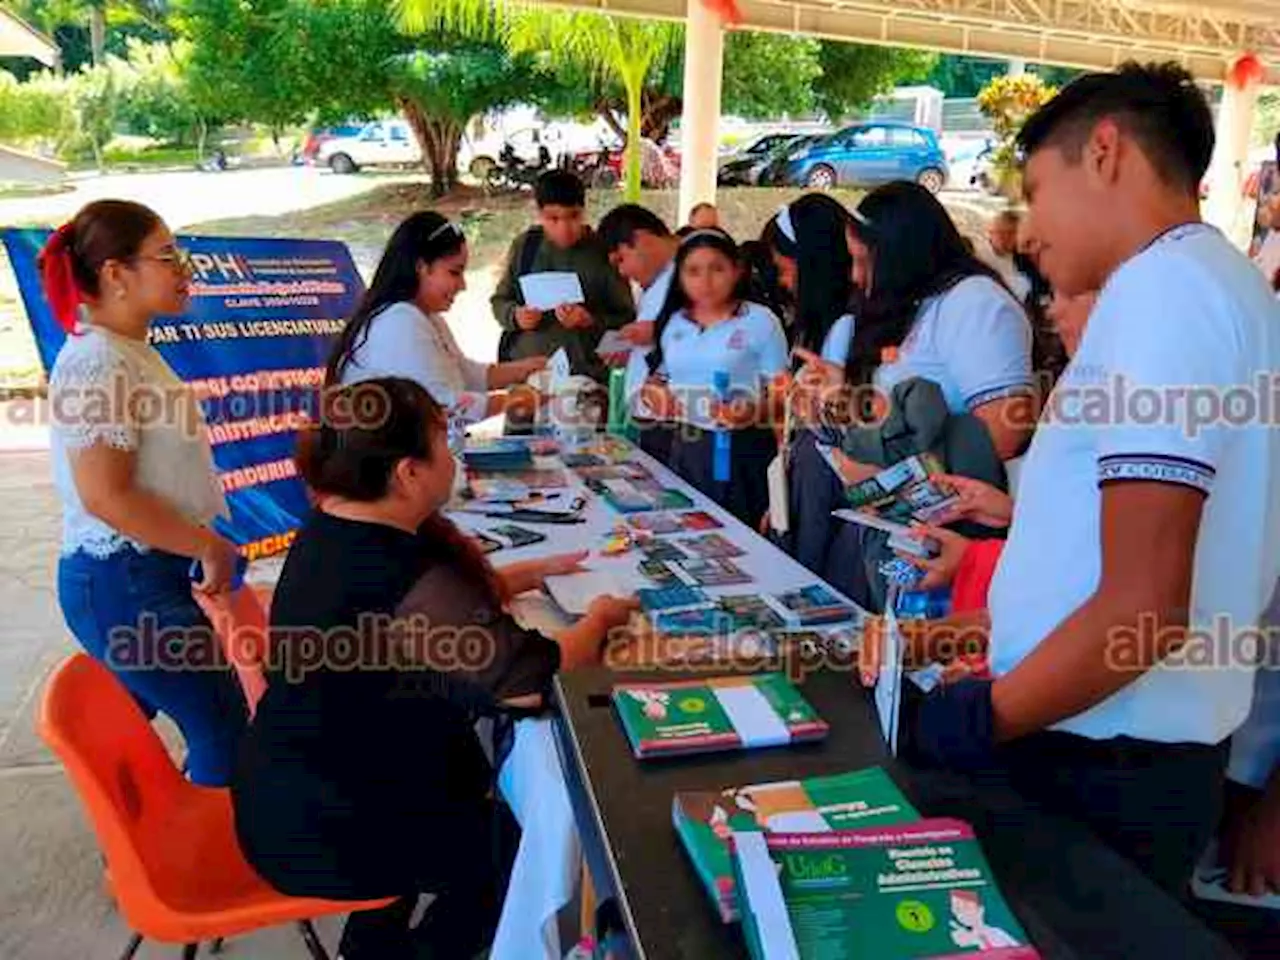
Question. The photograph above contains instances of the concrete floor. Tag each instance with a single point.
(52, 905)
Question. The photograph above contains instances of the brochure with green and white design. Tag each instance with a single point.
(705, 821)
(921, 891)
(717, 713)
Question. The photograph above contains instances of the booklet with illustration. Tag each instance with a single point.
(919, 891)
(811, 606)
(660, 522)
(636, 495)
(843, 801)
(499, 454)
(672, 595)
(712, 546)
(904, 492)
(717, 713)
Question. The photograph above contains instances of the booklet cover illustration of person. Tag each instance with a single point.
(968, 924)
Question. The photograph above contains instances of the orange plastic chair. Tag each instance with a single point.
(176, 866)
(240, 621)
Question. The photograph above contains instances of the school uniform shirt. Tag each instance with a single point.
(1189, 310)
(973, 340)
(750, 346)
(402, 341)
(835, 346)
(648, 307)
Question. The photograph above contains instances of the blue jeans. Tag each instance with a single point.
(134, 612)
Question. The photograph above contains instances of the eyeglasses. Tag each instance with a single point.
(179, 259)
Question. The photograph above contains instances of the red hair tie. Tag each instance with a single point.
(58, 280)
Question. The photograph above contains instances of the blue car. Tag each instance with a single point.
(866, 154)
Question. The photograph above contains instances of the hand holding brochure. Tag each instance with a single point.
(546, 291)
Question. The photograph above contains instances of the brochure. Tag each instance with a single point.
(905, 491)
(660, 522)
(712, 546)
(909, 892)
(812, 606)
(844, 801)
(719, 713)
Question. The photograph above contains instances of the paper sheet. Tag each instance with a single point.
(546, 291)
(888, 692)
(613, 343)
(558, 371)
(574, 592)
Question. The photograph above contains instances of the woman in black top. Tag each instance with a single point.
(362, 775)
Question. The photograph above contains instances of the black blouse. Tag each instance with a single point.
(355, 742)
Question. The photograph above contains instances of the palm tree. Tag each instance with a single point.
(605, 47)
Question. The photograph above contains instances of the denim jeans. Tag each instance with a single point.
(134, 613)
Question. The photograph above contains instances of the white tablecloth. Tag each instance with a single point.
(546, 872)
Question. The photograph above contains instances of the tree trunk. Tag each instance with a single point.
(608, 111)
(659, 112)
(98, 31)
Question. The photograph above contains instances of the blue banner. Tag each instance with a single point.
(252, 345)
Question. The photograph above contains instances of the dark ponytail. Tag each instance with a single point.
(423, 237)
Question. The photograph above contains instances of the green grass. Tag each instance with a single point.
(133, 158)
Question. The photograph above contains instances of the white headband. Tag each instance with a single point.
(704, 232)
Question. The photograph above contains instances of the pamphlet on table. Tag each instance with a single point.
(718, 713)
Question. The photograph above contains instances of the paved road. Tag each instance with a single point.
(183, 198)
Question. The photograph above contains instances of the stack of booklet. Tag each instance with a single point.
(906, 892)
(718, 713)
(705, 821)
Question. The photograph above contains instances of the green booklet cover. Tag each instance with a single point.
(704, 821)
(921, 891)
(716, 713)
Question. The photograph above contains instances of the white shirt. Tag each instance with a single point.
(1188, 310)
(973, 340)
(648, 307)
(750, 346)
(111, 390)
(402, 341)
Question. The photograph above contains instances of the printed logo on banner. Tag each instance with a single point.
(252, 346)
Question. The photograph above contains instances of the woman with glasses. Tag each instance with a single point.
(399, 329)
(135, 475)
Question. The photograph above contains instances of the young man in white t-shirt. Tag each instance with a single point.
(1141, 512)
(643, 250)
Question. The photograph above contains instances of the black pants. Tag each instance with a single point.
(1156, 803)
(746, 494)
(467, 865)
(830, 548)
(656, 439)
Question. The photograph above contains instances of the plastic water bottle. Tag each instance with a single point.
(723, 439)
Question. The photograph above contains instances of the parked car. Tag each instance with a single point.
(743, 167)
(774, 171)
(379, 144)
(867, 154)
(320, 135)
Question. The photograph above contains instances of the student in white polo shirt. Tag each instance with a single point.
(1132, 522)
(709, 328)
(643, 250)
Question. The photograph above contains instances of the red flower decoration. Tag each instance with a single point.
(726, 10)
(1246, 70)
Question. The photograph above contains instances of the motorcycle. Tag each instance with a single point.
(512, 173)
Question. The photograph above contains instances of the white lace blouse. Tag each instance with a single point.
(112, 390)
